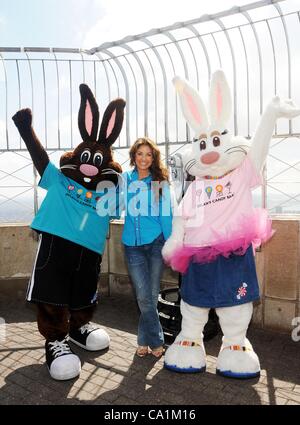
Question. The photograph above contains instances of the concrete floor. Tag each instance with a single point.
(118, 377)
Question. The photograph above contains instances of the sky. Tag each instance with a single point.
(88, 23)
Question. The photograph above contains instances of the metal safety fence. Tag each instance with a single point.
(256, 44)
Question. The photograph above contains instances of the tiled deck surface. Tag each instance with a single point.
(118, 377)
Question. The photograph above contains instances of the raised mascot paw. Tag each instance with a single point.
(285, 108)
(185, 356)
(24, 117)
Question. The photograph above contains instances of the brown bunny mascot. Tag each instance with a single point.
(71, 233)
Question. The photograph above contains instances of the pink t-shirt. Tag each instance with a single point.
(218, 210)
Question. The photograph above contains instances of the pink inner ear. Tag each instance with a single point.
(88, 118)
(111, 124)
(192, 107)
(219, 100)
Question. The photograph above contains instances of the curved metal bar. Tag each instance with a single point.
(217, 48)
(136, 95)
(71, 102)
(19, 83)
(45, 103)
(115, 77)
(166, 118)
(164, 75)
(58, 100)
(195, 62)
(186, 74)
(35, 177)
(19, 92)
(101, 60)
(176, 44)
(95, 79)
(274, 63)
(31, 83)
(194, 31)
(176, 97)
(83, 66)
(222, 26)
(6, 101)
(247, 80)
(120, 66)
(278, 8)
(261, 102)
(274, 57)
(155, 91)
(134, 54)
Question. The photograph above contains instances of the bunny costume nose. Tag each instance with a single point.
(210, 158)
(88, 170)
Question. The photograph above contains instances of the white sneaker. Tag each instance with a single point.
(90, 337)
(62, 363)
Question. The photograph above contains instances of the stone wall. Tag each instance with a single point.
(278, 268)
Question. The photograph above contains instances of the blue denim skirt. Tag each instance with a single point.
(225, 282)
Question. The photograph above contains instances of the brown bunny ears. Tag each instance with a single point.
(88, 118)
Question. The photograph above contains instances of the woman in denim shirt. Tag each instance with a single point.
(148, 223)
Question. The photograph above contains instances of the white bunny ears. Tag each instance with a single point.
(194, 110)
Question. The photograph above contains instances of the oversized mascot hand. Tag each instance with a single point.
(175, 241)
(259, 146)
(170, 246)
(284, 108)
(23, 122)
(23, 118)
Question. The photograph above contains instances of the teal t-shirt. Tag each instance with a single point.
(69, 211)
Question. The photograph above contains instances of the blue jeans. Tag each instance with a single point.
(145, 266)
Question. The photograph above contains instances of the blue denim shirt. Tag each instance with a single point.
(145, 216)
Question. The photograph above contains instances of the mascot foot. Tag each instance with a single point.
(185, 357)
(90, 338)
(62, 363)
(238, 362)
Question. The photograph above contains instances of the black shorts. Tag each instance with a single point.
(64, 273)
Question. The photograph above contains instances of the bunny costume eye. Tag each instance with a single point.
(201, 142)
(216, 141)
(98, 158)
(85, 156)
(202, 145)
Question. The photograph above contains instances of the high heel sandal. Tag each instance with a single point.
(142, 351)
(158, 351)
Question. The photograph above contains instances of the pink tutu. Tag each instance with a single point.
(255, 229)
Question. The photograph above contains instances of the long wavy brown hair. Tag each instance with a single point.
(158, 170)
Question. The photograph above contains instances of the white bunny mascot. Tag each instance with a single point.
(216, 228)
